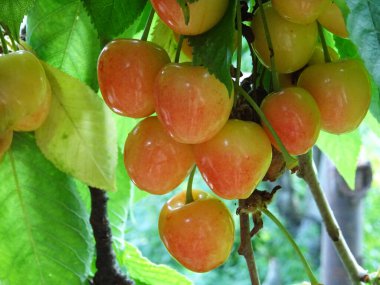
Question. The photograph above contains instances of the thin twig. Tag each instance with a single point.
(245, 248)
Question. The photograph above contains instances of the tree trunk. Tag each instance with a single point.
(347, 206)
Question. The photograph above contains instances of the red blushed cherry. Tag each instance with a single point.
(200, 234)
(191, 103)
(154, 161)
(235, 161)
(294, 115)
(126, 72)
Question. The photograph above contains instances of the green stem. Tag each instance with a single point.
(276, 83)
(307, 173)
(326, 53)
(309, 272)
(147, 26)
(179, 47)
(3, 41)
(290, 161)
(189, 191)
(14, 45)
(239, 47)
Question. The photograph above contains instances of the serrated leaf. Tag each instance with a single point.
(111, 17)
(61, 33)
(163, 36)
(363, 24)
(214, 49)
(144, 271)
(343, 150)
(12, 13)
(44, 231)
(79, 134)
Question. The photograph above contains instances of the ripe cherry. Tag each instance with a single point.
(191, 103)
(204, 14)
(154, 161)
(200, 234)
(235, 161)
(294, 115)
(126, 72)
(342, 91)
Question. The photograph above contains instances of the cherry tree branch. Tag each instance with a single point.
(245, 248)
(107, 268)
(307, 173)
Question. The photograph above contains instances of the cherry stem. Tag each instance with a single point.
(321, 33)
(179, 47)
(309, 272)
(290, 161)
(276, 83)
(245, 248)
(189, 191)
(145, 35)
(4, 43)
(239, 47)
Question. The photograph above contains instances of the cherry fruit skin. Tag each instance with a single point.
(342, 91)
(332, 19)
(204, 14)
(300, 11)
(293, 44)
(154, 161)
(200, 234)
(235, 161)
(23, 86)
(191, 103)
(34, 120)
(126, 72)
(5, 142)
(318, 55)
(294, 115)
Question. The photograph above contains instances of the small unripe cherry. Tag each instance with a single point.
(293, 44)
(234, 161)
(294, 115)
(126, 72)
(332, 19)
(300, 11)
(154, 161)
(200, 234)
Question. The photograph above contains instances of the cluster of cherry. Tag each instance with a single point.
(192, 125)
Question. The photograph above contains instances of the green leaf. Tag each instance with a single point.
(343, 150)
(44, 232)
(62, 34)
(214, 49)
(144, 271)
(363, 24)
(111, 17)
(118, 204)
(12, 13)
(79, 134)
